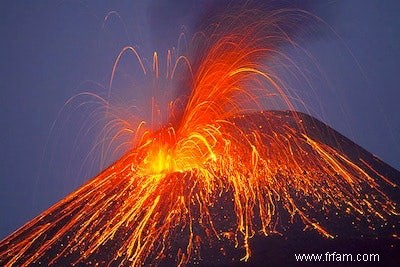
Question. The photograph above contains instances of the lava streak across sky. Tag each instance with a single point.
(220, 170)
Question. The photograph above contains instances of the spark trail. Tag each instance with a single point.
(217, 173)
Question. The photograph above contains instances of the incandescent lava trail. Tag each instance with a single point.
(217, 173)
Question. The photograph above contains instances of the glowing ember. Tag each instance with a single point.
(161, 197)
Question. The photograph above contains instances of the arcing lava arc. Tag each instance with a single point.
(219, 172)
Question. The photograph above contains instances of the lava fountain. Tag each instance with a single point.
(219, 171)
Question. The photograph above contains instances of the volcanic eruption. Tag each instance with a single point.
(221, 171)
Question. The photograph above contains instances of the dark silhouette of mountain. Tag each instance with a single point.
(45, 240)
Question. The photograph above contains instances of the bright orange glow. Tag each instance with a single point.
(170, 183)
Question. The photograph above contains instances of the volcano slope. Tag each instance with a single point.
(315, 191)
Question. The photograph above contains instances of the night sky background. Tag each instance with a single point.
(48, 49)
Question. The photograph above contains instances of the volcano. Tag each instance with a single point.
(112, 220)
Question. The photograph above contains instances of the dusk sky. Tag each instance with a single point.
(49, 49)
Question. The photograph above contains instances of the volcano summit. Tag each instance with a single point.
(307, 174)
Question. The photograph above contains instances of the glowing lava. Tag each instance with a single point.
(164, 196)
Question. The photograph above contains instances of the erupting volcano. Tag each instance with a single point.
(221, 171)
